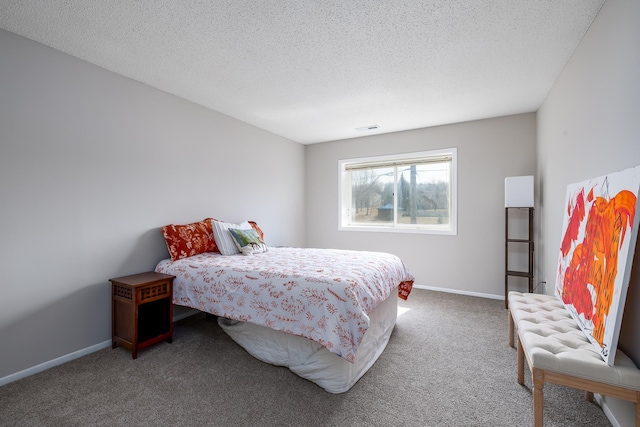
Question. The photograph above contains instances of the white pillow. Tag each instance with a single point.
(223, 238)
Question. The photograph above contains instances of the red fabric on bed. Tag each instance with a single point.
(189, 239)
(404, 289)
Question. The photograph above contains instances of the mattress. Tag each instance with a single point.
(310, 360)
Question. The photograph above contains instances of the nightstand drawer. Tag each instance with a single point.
(153, 292)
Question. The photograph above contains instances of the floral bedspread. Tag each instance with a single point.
(320, 294)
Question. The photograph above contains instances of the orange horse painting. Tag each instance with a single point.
(594, 253)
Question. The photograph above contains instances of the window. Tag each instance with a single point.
(413, 193)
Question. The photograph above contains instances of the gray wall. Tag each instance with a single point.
(473, 260)
(589, 125)
(92, 164)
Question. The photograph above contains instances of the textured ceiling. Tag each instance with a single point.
(314, 70)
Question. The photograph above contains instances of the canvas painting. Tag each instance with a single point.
(598, 241)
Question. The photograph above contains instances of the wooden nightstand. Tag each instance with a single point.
(141, 310)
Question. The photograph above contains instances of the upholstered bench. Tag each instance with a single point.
(557, 351)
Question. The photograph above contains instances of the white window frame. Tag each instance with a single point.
(345, 199)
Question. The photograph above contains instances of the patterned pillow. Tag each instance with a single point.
(248, 241)
(223, 238)
(189, 239)
(258, 229)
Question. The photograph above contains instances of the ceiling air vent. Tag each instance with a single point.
(366, 128)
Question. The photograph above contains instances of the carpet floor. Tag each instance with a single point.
(448, 363)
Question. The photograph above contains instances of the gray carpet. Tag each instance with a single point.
(448, 364)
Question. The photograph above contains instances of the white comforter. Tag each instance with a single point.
(320, 294)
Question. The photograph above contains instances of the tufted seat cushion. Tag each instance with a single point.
(555, 343)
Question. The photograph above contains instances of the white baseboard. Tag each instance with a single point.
(55, 362)
(71, 356)
(606, 410)
(617, 416)
(455, 291)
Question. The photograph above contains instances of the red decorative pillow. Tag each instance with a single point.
(189, 239)
(258, 230)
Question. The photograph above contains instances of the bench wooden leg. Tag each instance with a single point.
(537, 377)
(588, 395)
(510, 328)
(520, 363)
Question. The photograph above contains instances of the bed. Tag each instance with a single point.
(325, 314)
